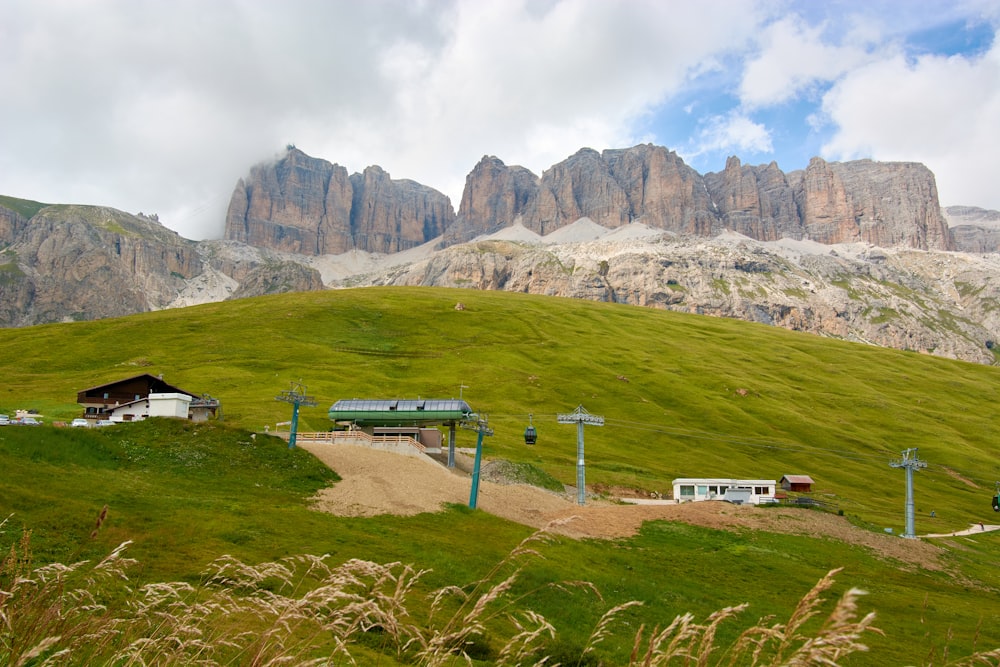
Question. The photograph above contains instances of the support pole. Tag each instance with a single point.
(481, 426)
(295, 425)
(580, 417)
(474, 493)
(909, 463)
(581, 471)
(451, 445)
(297, 397)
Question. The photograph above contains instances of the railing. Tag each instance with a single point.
(352, 438)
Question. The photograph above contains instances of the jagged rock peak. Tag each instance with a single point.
(309, 206)
(304, 205)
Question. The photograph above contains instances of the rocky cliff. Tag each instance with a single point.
(70, 263)
(886, 204)
(308, 206)
(85, 262)
(974, 229)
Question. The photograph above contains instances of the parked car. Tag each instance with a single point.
(4, 420)
(103, 422)
(80, 423)
(29, 421)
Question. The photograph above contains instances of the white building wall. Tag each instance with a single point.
(693, 489)
(169, 405)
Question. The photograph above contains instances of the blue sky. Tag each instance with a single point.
(161, 106)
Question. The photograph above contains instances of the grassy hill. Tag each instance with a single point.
(682, 396)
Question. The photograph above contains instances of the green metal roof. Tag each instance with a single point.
(396, 412)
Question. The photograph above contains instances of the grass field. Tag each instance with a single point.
(681, 395)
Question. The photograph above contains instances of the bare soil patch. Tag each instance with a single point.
(377, 482)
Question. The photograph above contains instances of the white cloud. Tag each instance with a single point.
(732, 133)
(534, 83)
(162, 106)
(793, 59)
(942, 111)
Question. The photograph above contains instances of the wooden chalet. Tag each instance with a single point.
(130, 399)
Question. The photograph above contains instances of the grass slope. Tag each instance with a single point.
(23, 207)
(682, 396)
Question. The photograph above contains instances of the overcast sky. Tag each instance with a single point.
(160, 106)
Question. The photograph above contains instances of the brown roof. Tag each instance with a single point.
(153, 380)
(798, 479)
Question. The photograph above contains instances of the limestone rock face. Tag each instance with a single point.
(661, 190)
(289, 206)
(278, 278)
(86, 262)
(495, 196)
(974, 229)
(390, 216)
(612, 189)
(71, 263)
(308, 206)
(887, 204)
(972, 238)
(754, 201)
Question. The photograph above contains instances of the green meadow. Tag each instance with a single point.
(682, 396)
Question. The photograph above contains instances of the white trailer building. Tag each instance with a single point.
(739, 491)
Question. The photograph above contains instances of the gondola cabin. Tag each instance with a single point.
(530, 434)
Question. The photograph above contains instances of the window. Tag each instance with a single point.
(702, 490)
(687, 490)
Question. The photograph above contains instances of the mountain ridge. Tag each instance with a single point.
(307, 205)
(63, 262)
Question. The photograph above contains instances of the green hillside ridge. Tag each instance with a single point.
(26, 208)
(682, 396)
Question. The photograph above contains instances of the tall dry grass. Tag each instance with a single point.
(303, 611)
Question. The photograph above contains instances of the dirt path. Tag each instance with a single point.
(377, 482)
(973, 529)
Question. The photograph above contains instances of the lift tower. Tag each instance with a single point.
(580, 417)
(296, 396)
(909, 463)
(482, 427)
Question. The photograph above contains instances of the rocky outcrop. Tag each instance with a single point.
(754, 201)
(85, 262)
(278, 278)
(971, 238)
(299, 204)
(612, 188)
(495, 196)
(974, 229)
(304, 205)
(886, 204)
(391, 216)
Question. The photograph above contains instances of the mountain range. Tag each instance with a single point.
(857, 250)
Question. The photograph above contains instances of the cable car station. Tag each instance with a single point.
(413, 421)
